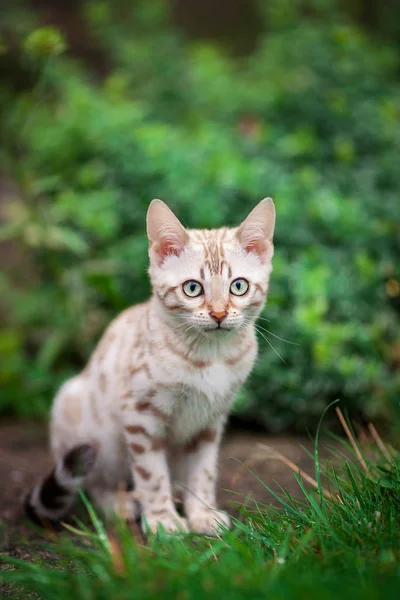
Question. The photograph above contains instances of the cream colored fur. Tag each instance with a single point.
(157, 391)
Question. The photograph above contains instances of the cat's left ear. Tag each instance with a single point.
(257, 230)
(166, 233)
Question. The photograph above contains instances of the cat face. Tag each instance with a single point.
(211, 281)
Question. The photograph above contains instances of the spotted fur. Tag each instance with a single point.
(51, 500)
(155, 396)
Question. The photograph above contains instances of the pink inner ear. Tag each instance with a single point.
(260, 246)
(168, 247)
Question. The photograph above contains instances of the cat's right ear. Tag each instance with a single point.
(166, 234)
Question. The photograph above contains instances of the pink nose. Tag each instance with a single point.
(218, 316)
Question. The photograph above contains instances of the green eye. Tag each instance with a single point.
(192, 288)
(239, 287)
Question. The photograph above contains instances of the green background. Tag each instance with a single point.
(309, 116)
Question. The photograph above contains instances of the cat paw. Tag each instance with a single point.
(209, 521)
(169, 521)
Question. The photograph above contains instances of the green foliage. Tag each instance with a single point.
(311, 119)
(315, 547)
(45, 42)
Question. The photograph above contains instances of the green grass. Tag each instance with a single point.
(343, 546)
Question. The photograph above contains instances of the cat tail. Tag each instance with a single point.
(51, 500)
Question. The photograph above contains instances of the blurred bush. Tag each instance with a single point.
(311, 118)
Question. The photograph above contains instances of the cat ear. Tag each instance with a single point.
(165, 232)
(256, 232)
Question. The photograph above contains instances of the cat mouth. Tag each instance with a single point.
(218, 329)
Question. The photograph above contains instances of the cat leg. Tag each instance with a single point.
(178, 466)
(200, 497)
(145, 435)
(77, 418)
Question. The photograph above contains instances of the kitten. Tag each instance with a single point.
(149, 409)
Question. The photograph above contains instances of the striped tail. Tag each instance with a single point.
(51, 501)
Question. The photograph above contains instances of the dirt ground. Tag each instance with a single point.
(24, 458)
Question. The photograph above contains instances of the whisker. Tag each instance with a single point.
(277, 336)
(184, 328)
(270, 344)
(180, 325)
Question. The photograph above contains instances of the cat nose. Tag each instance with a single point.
(218, 316)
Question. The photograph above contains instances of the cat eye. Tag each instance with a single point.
(192, 288)
(239, 287)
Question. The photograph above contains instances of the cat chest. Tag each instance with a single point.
(200, 399)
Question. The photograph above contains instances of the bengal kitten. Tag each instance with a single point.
(149, 409)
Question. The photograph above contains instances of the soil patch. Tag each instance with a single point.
(24, 458)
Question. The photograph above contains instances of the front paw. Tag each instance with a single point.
(209, 521)
(166, 520)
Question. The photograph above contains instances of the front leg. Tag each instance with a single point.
(145, 435)
(200, 497)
